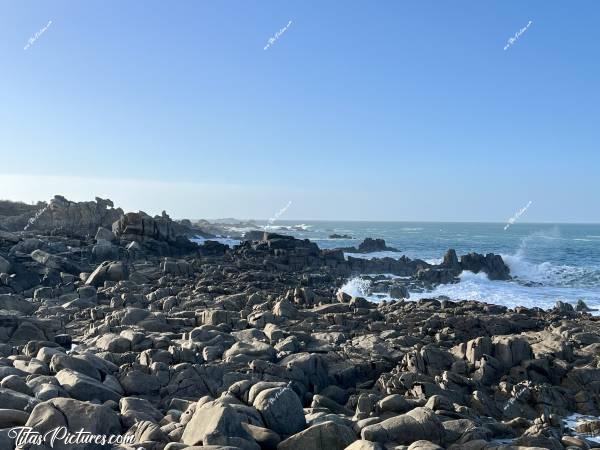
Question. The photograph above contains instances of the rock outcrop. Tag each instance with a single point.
(77, 218)
(157, 235)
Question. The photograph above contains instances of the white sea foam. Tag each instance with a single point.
(534, 284)
(223, 240)
(549, 274)
(303, 227)
(385, 254)
(357, 287)
(545, 266)
(510, 293)
(434, 261)
(574, 419)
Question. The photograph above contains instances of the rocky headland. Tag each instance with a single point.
(116, 323)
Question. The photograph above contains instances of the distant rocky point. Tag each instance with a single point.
(60, 215)
(77, 218)
(370, 245)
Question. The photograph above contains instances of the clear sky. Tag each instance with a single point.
(368, 110)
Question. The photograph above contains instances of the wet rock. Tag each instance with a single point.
(491, 264)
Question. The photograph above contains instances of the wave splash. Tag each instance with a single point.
(535, 283)
(357, 287)
(547, 273)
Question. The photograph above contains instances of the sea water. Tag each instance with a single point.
(548, 262)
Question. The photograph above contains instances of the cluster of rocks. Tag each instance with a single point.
(137, 332)
(283, 252)
(61, 216)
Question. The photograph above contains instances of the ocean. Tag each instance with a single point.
(549, 262)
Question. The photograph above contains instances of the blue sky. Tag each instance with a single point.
(387, 110)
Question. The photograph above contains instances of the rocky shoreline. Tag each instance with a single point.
(116, 323)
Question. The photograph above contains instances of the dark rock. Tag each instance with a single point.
(491, 264)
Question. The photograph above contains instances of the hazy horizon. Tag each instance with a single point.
(187, 200)
(284, 218)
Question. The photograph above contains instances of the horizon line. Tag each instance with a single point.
(397, 221)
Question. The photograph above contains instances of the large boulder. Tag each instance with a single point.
(85, 388)
(74, 415)
(140, 226)
(511, 350)
(55, 262)
(327, 435)
(158, 235)
(249, 351)
(491, 264)
(108, 271)
(135, 409)
(60, 361)
(281, 410)
(10, 399)
(136, 382)
(217, 424)
(420, 423)
(10, 302)
(113, 343)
